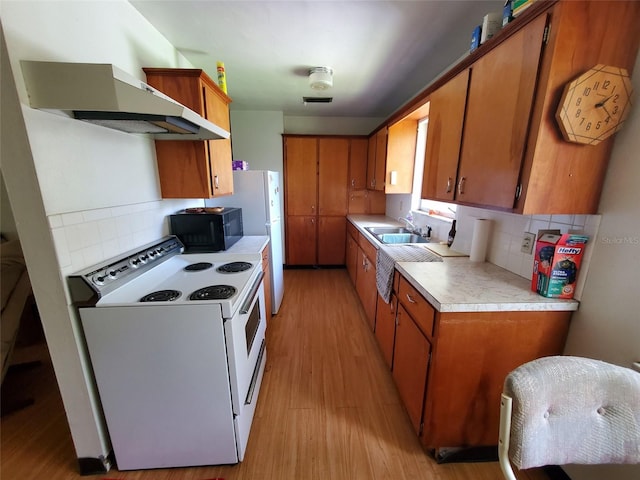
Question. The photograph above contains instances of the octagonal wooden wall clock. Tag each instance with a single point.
(595, 105)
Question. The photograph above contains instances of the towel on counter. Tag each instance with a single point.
(386, 260)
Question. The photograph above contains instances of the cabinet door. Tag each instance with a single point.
(444, 134)
(401, 156)
(410, 365)
(366, 286)
(381, 160)
(352, 258)
(191, 169)
(219, 150)
(301, 179)
(358, 163)
(332, 232)
(371, 162)
(333, 174)
(301, 240)
(386, 327)
(497, 119)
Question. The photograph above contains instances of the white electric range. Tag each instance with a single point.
(177, 346)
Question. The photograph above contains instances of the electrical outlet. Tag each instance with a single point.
(527, 242)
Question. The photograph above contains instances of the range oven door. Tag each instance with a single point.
(247, 355)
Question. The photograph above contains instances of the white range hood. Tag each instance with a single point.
(105, 95)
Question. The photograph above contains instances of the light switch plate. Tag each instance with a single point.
(527, 242)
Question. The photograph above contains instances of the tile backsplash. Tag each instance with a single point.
(87, 237)
(507, 232)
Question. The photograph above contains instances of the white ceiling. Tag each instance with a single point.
(383, 52)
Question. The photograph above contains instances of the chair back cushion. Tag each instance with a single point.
(573, 410)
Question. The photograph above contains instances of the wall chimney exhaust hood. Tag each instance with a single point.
(105, 95)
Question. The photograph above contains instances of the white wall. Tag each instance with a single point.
(257, 139)
(80, 193)
(607, 325)
(330, 125)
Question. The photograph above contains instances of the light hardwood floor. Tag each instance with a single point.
(328, 408)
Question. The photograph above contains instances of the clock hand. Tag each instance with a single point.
(601, 104)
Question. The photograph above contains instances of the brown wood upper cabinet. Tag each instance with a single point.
(444, 135)
(511, 152)
(358, 163)
(376, 160)
(194, 169)
(392, 149)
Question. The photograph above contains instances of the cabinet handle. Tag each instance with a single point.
(313, 208)
(461, 185)
(216, 182)
(373, 183)
(353, 182)
(410, 299)
(449, 185)
(313, 220)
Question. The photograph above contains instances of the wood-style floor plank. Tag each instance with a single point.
(328, 407)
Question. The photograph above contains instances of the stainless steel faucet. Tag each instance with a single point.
(410, 225)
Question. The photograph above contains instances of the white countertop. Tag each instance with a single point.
(249, 244)
(458, 285)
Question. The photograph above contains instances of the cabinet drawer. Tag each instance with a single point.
(352, 230)
(420, 310)
(368, 248)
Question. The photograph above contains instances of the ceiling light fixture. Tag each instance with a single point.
(321, 78)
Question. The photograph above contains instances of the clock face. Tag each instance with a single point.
(595, 105)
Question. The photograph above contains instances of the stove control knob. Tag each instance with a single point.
(134, 262)
(98, 280)
(151, 253)
(112, 274)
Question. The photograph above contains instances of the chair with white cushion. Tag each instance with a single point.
(560, 410)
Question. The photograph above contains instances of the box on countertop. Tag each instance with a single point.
(239, 165)
(556, 263)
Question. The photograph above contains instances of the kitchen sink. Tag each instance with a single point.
(401, 238)
(396, 235)
(383, 230)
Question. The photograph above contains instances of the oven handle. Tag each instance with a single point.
(246, 306)
(254, 377)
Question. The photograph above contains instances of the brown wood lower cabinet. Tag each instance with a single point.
(366, 285)
(361, 256)
(473, 353)
(301, 240)
(386, 327)
(331, 245)
(410, 365)
(449, 367)
(351, 257)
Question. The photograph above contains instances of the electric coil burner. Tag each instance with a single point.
(197, 267)
(162, 296)
(213, 292)
(234, 267)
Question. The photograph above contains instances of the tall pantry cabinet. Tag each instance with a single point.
(316, 171)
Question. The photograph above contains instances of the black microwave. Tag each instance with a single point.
(207, 232)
